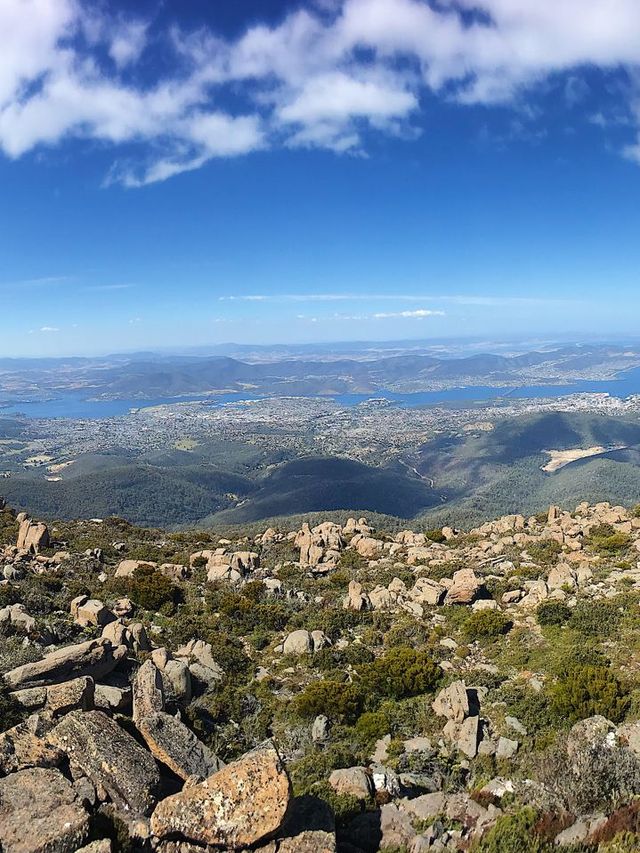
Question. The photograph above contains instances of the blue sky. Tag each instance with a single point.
(190, 174)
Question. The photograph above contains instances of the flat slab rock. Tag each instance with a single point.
(242, 804)
(111, 758)
(39, 813)
(176, 746)
(93, 657)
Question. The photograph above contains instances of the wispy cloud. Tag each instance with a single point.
(324, 76)
(42, 281)
(488, 301)
(418, 314)
(107, 287)
(258, 297)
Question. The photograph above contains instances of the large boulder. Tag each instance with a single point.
(465, 736)
(93, 657)
(320, 546)
(111, 758)
(427, 591)
(452, 702)
(32, 536)
(465, 587)
(89, 612)
(352, 780)
(17, 616)
(198, 656)
(40, 813)
(309, 827)
(245, 561)
(126, 568)
(356, 598)
(298, 642)
(176, 677)
(176, 746)
(368, 547)
(244, 803)
(174, 571)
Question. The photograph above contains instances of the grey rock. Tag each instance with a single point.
(111, 758)
(506, 748)
(320, 729)
(148, 693)
(40, 813)
(352, 780)
(176, 746)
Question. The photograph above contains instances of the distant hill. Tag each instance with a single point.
(500, 471)
(148, 375)
(142, 493)
(329, 483)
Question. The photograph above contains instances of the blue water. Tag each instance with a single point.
(78, 408)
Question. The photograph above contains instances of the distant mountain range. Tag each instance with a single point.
(145, 376)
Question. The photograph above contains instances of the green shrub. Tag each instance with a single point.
(486, 624)
(607, 540)
(344, 806)
(229, 653)
(435, 535)
(588, 690)
(372, 725)
(596, 618)
(545, 551)
(332, 620)
(553, 613)
(531, 707)
(9, 594)
(338, 701)
(612, 544)
(513, 833)
(152, 590)
(351, 560)
(8, 528)
(312, 771)
(11, 712)
(244, 612)
(602, 531)
(624, 842)
(401, 672)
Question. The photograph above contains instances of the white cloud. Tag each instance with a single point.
(257, 297)
(107, 287)
(480, 300)
(418, 314)
(318, 79)
(128, 43)
(49, 329)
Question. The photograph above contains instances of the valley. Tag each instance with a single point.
(185, 463)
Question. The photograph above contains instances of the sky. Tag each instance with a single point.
(193, 172)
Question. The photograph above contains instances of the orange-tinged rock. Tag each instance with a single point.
(238, 806)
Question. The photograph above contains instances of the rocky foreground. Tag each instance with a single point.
(324, 689)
